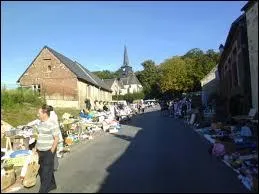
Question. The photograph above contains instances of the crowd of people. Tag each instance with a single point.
(177, 108)
(118, 110)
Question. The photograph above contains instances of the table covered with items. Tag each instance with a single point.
(19, 159)
(19, 164)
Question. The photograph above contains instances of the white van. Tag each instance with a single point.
(119, 102)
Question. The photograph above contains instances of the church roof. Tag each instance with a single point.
(130, 79)
(109, 82)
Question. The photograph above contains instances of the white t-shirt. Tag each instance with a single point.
(54, 117)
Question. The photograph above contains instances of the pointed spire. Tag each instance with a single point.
(125, 59)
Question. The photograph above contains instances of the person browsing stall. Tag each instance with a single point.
(48, 139)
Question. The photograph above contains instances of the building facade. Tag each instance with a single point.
(63, 82)
(114, 85)
(234, 70)
(251, 12)
(210, 85)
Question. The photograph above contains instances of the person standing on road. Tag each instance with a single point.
(46, 146)
(143, 107)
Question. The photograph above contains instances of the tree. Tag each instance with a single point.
(194, 53)
(175, 76)
(106, 74)
(149, 78)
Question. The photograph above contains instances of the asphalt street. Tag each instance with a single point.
(152, 153)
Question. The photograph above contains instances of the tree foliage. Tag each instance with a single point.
(129, 97)
(183, 74)
(149, 78)
(173, 76)
(106, 74)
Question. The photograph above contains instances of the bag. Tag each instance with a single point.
(218, 149)
(30, 178)
(8, 179)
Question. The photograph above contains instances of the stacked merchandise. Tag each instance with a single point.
(237, 148)
(19, 168)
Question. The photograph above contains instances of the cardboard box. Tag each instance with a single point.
(7, 179)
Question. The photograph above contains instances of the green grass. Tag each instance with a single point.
(23, 114)
(20, 106)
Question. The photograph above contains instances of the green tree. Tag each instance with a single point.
(149, 78)
(175, 76)
(106, 74)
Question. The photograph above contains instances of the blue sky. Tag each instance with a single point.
(94, 33)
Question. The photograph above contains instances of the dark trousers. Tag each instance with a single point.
(46, 171)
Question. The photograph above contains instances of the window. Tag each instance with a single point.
(235, 52)
(49, 67)
(234, 74)
(229, 81)
(229, 60)
(36, 88)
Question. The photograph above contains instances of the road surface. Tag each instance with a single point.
(150, 154)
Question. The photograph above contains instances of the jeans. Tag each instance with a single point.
(46, 171)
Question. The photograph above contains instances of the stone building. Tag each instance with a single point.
(114, 85)
(251, 12)
(234, 70)
(63, 82)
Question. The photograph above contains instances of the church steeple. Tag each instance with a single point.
(125, 59)
(125, 70)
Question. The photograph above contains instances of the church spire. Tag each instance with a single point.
(125, 59)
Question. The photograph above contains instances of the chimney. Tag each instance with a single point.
(221, 48)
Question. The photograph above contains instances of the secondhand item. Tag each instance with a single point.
(7, 179)
(31, 174)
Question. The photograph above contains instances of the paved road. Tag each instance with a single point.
(151, 154)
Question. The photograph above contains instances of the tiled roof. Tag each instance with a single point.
(131, 79)
(109, 82)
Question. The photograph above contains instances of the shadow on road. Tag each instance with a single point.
(124, 137)
(167, 156)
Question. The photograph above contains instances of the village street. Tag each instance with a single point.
(151, 154)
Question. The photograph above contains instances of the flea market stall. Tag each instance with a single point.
(19, 158)
(237, 147)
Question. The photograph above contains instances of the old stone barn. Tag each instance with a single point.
(63, 82)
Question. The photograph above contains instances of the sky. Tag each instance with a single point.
(94, 33)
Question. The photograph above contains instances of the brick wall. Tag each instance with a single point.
(56, 81)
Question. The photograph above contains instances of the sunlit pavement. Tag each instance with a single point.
(151, 154)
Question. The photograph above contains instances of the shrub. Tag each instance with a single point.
(17, 97)
(129, 97)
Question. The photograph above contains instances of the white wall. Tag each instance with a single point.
(63, 103)
(92, 93)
